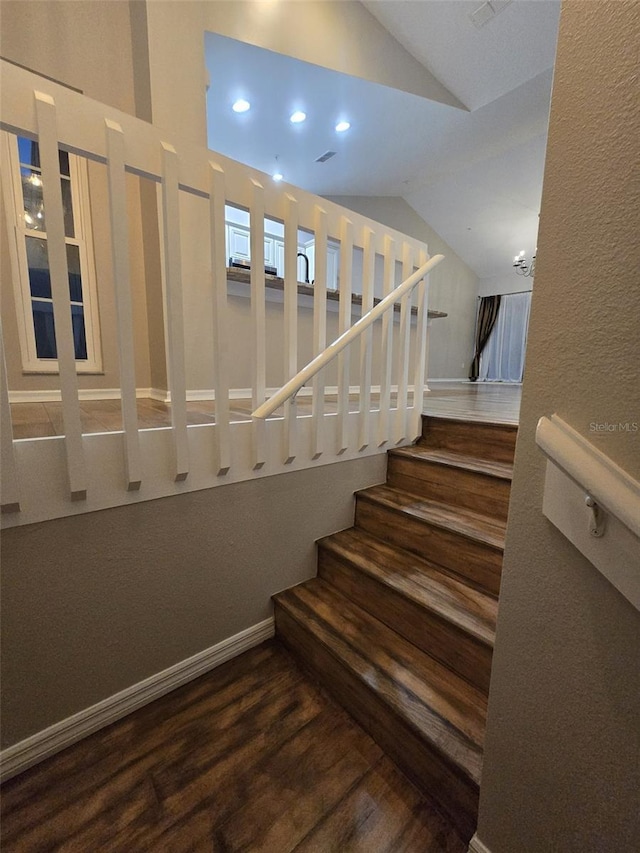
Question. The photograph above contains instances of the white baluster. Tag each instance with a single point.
(319, 328)
(57, 251)
(366, 340)
(344, 323)
(258, 319)
(120, 255)
(422, 348)
(10, 497)
(220, 320)
(175, 321)
(386, 342)
(404, 341)
(290, 322)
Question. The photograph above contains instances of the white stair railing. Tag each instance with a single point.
(79, 472)
(291, 388)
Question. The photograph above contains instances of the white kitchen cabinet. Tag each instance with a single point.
(333, 263)
(270, 251)
(333, 266)
(239, 246)
(279, 257)
(238, 242)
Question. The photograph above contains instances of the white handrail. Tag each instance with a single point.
(600, 477)
(303, 376)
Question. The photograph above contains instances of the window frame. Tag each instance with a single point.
(19, 231)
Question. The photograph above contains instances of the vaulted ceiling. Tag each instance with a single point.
(474, 174)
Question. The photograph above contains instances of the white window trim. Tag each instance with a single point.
(18, 231)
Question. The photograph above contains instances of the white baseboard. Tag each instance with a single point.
(476, 846)
(36, 748)
(158, 394)
(431, 381)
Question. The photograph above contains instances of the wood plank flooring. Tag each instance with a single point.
(252, 757)
(479, 401)
(474, 401)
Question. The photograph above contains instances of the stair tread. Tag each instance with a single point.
(419, 580)
(443, 708)
(452, 459)
(474, 525)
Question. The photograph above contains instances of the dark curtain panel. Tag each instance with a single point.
(487, 316)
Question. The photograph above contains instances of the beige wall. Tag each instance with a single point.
(562, 760)
(75, 43)
(97, 602)
(454, 285)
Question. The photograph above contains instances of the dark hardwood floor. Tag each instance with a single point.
(252, 756)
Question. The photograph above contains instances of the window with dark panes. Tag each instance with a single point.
(33, 259)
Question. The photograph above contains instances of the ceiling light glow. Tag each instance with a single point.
(342, 126)
(297, 117)
(277, 176)
(241, 106)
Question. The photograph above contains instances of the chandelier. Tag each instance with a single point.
(522, 267)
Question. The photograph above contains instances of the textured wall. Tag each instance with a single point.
(453, 285)
(94, 603)
(562, 765)
(75, 43)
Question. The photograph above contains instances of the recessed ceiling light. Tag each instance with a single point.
(297, 117)
(342, 126)
(241, 106)
(277, 176)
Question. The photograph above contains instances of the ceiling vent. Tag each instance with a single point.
(485, 13)
(326, 156)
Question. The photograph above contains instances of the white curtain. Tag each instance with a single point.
(502, 359)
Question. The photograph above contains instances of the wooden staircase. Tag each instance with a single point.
(399, 624)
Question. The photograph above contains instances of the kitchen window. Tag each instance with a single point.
(30, 262)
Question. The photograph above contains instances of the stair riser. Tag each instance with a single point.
(441, 639)
(487, 441)
(419, 760)
(477, 562)
(454, 486)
